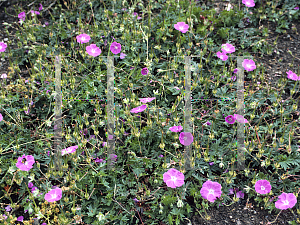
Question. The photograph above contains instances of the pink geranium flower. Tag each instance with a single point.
(222, 56)
(240, 118)
(41, 7)
(173, 178)
(249, 64)
(2, 46)
(228, 48)
(186, 138)
(263, 187)
(22, 16)
(69, 150)
(144, 71)
(145, 100)
(53, 195)
(138, 109)
(236, 192)
(176, 128)
(211, 190)
(285, 201)
(230, 119)
(4, 75)
(122, 55)
(1, 117)
(20, 218)
(83, 38)
(181, 26)
(93, 50)
(249, 3)
(115, 48)
(25, 162)
(292, 75)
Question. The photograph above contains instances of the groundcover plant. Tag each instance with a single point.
(148, 183)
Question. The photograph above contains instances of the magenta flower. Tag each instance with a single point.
(249, 64)
(235, 70)
(83, 38)
(104, 144)
(292, 75)
(285, 201)
(211, 190)
(211, 163)
(186, 138)
(239, 194)
(41, 7)
(22, 16)
(33, 189)
(138, 109)
(122, 55)
(99, 160)
(173, 178)
(5, 217)
(230, 119)
(222, 56)
(30, 184)
(144, 71)
(20, 218)
(8, 208)
(4, 75)
(233, 78)
(145, 100)
(53, 195)
(263, 187)
(176, 128)
(2, 47)
(37, 12)
(296, 8)
(115, 48)
(1, 117)
(181, 26)
(160, 156)
(228, 48)
(240, 118)
(207, 123)
(69, 150)
(25, 162)
(93, 50)
(249, 3)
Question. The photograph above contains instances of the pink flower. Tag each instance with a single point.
(115, 48)
(144, 71)
(296, 8)
(176, 128)
(122, 55)
(181, 26)
(37, 12)
(228, 48)
(138, 109)
(173, 178)
(1, 117)
(53, 195)
(230, 119)
(222, 56)
(104, 144)
(263, 187)
(20, 218)
(2, 46)
(235, 70)
(186, 138)
(30, 184)
(25, 162)
(249, 64)
(249, 3)
(285, 201)
(240, 118)
(22, 16)
(145, 100)
(69, 150)
(99, 160)
(239, 194)
(211, 190)
(4, 75)
(83, 38)
(41, 7)
(292, 75)
(93, 50)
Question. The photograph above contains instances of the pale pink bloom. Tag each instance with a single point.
(249, 64)
(249, 3)
(228, 48)
(285, 201)
(181, 26)
(83, 38)
(173, 178)
(222, 56)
